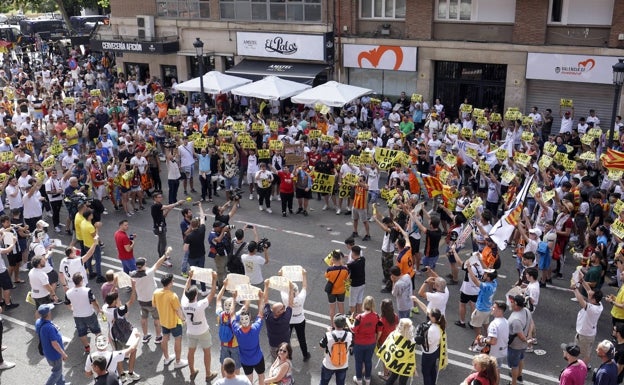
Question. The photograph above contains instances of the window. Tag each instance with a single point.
(271, 10)
(579, 12)
(486, 11)
(382, 9)
(184, 9)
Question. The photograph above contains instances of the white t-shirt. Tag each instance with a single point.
(253, 268)
(32, 205)
(468, 287)
(499, 329)
(434, 335)
(195, 314)
(38, 279)
(70, 266)
(14, 201)
(297, 308)
(140, 162)
(186, 154)
(438, 300)
(264, 179)
(81, 299)
(112, 359)
(145, 285)
(587, 319)
(533, 291)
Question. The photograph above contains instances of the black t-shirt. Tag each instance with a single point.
(107, 379)
(225, 218)
(432, 243)
(357, 271)
(195, 240)
(324, 167)
(595, 211)
(157, 214)
(619, 359)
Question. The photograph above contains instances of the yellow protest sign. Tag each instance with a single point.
(495, 117)
(398, 354)
(315, 134)
(566, 103)
(478, 112)
(513, 115)
(617, 228)
(264, 154)
(385, 157)
(159, 97)
(484, 167)
(548, 195)
(466, 132)
(366, 157)
(417, 98)
(527, 136)
(522, 159)
(199, 143)
(569, 164)
(343, 191)
(49, 161)
(364, 135)
(618, 206)
(258, 127)
(560, 157)
(68, 100)
(588, 155)
(95, 92)
(3, 177)
(550, 148)
(453, 129)
(7, 156)
(327, 138)
(239, 126)
(225, 133)
(569, 148)
(443, 176)
(450, 160)
(323, 183)
(173, 112)
(354, 160)
(615, 175)
(501, 154)
(210, 140)
(467, 108)
(273, 125)
(388, 195)
(533, 188)
(471, 210)
(507, 176)
(595, 132)
(527, 121)
(482, 121)
(56, 148)
(276, 145)
(481, 134)
(226, 148)
(169, 128)
(472, 152)
(544, 162)
(350, 179)
(40, 176)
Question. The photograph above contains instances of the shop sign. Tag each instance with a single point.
(282, 45)
(135, 46)
(571, 68)
(381, 57)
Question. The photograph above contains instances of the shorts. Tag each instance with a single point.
(14, 259)
(52, 277)
(84, 324)
(233, 353)
(175, 332)
(544, 263)
(357, 295)
(203, 341)
(430, 261)
(42, 301)
(231, 183)
(302, 193)
(147, 309)
(444, 217)
(514, 356)
(465, 298)
(118, 345)
(356, 214)
(332, 298)
(5, 281)
(124, 190)
(414, 244)
(136, 189)
(258, 368)
(251, 176)
(128, 265)
(479, 318)
(188, 171)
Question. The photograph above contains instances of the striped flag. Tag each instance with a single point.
(613, 160)
(514, 216)
(433, 185)
(502, 230)
(415, 181)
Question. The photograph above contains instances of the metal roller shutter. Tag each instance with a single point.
(547, 94)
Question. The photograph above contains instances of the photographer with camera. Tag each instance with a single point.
(238, 246)
(219, 211)
(195, 246)
(218, 238)
(253, 262)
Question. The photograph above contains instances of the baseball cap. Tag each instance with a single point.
(218, 224)
(536, 231)
(140, 262)
(571, 349)
(45, 309)
(42, 223)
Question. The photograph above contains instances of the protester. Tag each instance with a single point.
(51, 344)
(576, 371)
(297, 319)
(171, 316)
(336, 366)
(486, 372)
(365, 328)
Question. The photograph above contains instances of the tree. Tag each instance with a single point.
(67, 8)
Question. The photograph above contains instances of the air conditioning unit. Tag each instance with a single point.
(145, 27)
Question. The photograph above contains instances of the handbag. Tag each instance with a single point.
(121, 329)
(329, 286)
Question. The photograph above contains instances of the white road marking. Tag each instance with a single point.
(298, 233)
(66, 340)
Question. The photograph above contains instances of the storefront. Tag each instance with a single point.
(482, 83)
(586, 79)
(300, 58)
(385, 69)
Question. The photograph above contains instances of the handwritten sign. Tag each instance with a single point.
(293, 272)
(123, 280)
(323, 183)
(279, 283)
(235, 280)
(247, 292)
(202, 274)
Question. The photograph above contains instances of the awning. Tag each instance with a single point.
(297, 72)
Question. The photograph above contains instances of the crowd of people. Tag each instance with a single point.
(78, 135)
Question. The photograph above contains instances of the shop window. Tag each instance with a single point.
(497, 11)
(168, 73)
(184, 9)
(580, 12)
(271, 10)
(382, 9)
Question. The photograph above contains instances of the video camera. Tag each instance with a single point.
(236, 194)
(169, 143)
(264, 243)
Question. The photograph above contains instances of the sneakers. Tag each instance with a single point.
(7, 365)
(284, 213)
(354, 235)
(10, 306)
(168, 263)
(299, 210)
(23, 267)
(305, 213)
(146, 338)
(366, 238)
(204, 293)
(158, 340)
(180, 364)
(460, 324)
(338, 211)
(307, 357)
(100, 279)
(325, 207)
(271, 198)
(184, 274)
(169, 360)
(268, 210)
(415, 310)
(385, 290)
(356, 381)
(260, 208)
(57, 229)
(132, 377)
(250, 197)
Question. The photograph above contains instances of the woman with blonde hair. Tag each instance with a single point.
(486, 371)
(405, 329)
(366, 330)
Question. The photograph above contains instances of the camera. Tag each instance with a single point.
(236, 194)
(230, 227)
(264, 243)
(169, 143)
(131, 237)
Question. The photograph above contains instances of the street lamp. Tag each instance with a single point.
(618, 80)
(199, 50)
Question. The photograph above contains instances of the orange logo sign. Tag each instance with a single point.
(374, 56)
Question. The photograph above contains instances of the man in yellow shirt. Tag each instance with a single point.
(88, 230)
(72, 135)
(170, 312)
(78, 219)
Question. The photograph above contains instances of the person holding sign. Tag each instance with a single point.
(247, 334)
(366, 329)
(264, 179)
(403, 331)
(360, 208)
(253, 263)
(277, 318)
(197, 329)
(297, 320)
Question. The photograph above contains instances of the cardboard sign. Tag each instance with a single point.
(385, 157)
(450, 160)
(276, 145)
(472, 152)
(507, 176)
(343, 191)
(327, 138)
(467, 108)
(293, 154)
(225, 133)
(388, 195)
(366, 157)
(566, 103)
(513, 115)
(323, 183)
(226, 148)
(264, 154)
(247, 292)
(478, 113)
(548, 195)
(560, 157)
(618, 206)
(273, 125)
(235, 280)
(123, 280)
(501, 154)
(239, 126)
(569, 165)
(527, 121)
(202, 274)
(443, 176)
(354, 160)
(293, 272)
(315, 134)
(279, 283)
(470, 211)
(7, 156)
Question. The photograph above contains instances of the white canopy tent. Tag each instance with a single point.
(271, 88)
(331, 94)
(214, 83)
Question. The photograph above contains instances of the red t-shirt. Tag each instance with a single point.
(365, 328)
(121, 240)
(313, 158)
(286, 182)
(335, 157)
(387, 328)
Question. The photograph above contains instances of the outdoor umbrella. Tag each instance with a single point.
(331, 94)
(271, 88)
(214, 83)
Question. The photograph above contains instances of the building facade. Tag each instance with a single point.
(503, 53)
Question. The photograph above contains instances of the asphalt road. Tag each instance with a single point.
(296, 240)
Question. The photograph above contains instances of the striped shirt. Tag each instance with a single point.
(361, 195)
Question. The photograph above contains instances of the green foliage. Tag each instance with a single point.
(73, 7)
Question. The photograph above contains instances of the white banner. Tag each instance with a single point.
(380, 57)
(571, 68)
(280, 45)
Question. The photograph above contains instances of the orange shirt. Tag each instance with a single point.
(323, 126)
(406, 263)
(338, 275)
(359, 200)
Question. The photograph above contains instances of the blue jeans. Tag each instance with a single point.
(174, 185)
(185, 264)
(326, 375)
(404, 313)
(56, 377)
(429, 367)
(363, 355)
(97, 258)
(128, 265)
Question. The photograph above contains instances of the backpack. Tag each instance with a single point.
(339, 354)
(420, 335)
(225, 330)
(234, 262)
(121, 329)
